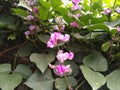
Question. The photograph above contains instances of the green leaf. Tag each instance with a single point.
(44, 10)
(95, 79)
(106, 46)
(23, 70)
(12, 36)
(5, 68)
(113, 23)
(113, 80)
(22, 3)
(9, 81)
(44, 38)
(20, 12)
(56, 3)
(39, 81)
(98, 26)
(42, 60)
(26, 50)
(61, 83)
(96, 61)
(64, 13)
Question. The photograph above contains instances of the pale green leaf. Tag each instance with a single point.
(95, 79)
(61, 83)
(5, 68)
(23, 70)
(9, 81)
(113, 80)
(96, 61)
(42, 60)
(39, 81)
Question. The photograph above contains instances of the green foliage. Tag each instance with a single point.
(113, 80)
(42, 60)
(10, 81)
(41, 81)
(25, 57)
(95, 79)
(95, 60)
(61, 83)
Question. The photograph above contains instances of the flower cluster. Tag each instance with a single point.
(61, 69)
(64, 56)
(118, 28)
(57, 38)
(118, 10)
(31, 16)
(76, 5)
(107, 11)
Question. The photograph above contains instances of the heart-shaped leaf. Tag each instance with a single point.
(9, 81)
(95, 79)
(113, 80)
(24, 70)
(61, 83)
(5, 68)
(42, 60)
(96, 61)
(39, 81)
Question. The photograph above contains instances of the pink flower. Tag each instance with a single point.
(30, 17)
(118, 10)
(71, 55)
(66, 37)
(74, 24)
(76, 1)
(62, 69)
(31, 27)
(30, 2)
(35, 10)
(76, 7)
(107, 11)
(61, 56)
(27, 33)
(118, 29)
(78, 15)
(62, 28)
(57, 38)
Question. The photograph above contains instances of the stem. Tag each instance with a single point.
(114, 4)
(14, 64)
(66, 81)
(80, 85)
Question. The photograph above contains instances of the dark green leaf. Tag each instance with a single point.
(26, 50)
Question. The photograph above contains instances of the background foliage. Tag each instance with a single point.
(95, 42)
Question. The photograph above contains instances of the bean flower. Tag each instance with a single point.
(118, 10)
(61, 69)
(118, 29)
(57, 38)
(73, 24)
(61, 56)
(107, 11)
(30, 2)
